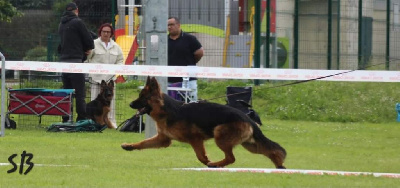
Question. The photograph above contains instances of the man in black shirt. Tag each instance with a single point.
(183, 50)
(76, 43)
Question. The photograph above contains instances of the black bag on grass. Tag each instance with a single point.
(11, 123)
(86, 125)
(131, 125)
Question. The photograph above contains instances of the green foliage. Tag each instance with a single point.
(59, 7)
(318, 100)
(215, 91)
(7, 11)
(130, 85)
(38, 53)
(39, 82)
(96, 12)
(29, 4)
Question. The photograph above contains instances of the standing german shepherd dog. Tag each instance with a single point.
(98, 109)
(194, 123)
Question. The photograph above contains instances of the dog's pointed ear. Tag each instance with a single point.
(153, 82)
(103, 83)
(153, 79)
(148, 81)
(154, 86)
(111, 83)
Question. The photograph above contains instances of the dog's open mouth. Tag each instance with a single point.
(141, 111)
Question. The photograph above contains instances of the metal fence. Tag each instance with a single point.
(312, 34)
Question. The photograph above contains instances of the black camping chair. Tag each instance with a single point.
(241, 98)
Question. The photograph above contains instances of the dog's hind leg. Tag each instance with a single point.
(274, 155)
(227, 137)
(229, 158)
(156, 141)
(99, 120)
(198, 147)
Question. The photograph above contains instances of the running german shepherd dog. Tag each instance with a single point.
(98, 109)
(194, 123)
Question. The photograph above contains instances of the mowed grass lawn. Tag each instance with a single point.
(97, 160)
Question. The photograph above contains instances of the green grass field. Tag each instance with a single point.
(97, 160)
(322, 125)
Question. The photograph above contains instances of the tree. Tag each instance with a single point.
(31, 4)
(7, 11)
(95, 12)
(39, 53)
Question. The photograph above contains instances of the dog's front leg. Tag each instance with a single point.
(106, 120)
(198, 147)
(157, 141)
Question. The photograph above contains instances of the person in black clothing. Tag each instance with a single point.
(76, 43)
(183, 50)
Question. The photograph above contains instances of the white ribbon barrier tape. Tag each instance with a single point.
(208, 72)
(293, 171)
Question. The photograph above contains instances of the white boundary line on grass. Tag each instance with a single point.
(293, 171)
(50, 165)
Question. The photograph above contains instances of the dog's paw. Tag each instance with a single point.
(127, 147)
(213, 165)
(281, 167)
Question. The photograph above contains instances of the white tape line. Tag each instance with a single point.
(50, 165)
(206, 72)
(293, 171)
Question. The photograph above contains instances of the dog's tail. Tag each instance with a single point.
(265, 146)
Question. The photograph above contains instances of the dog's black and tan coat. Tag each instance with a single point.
(194, 123)
(98, 109)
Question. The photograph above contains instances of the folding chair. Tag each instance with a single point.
(241, 98)
(180, 91)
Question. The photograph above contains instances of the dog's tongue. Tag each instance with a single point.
(141, 111)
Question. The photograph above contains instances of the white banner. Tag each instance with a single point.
(208, 72)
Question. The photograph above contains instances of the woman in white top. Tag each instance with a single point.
(106, 51)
